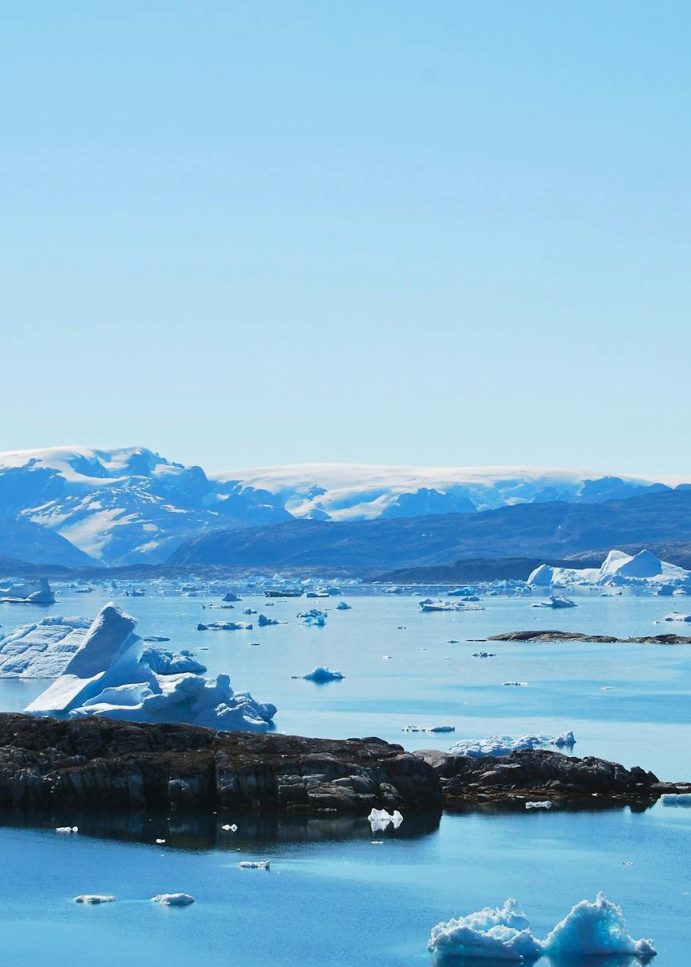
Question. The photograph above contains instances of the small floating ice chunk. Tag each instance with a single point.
(93, 899)
(539, 804)
(343, 606)
(320, 675)
(677, 616)
(160, 842)
(173, 899)
(68, 830)
(381, 819)
(229, 828)
(255, 865)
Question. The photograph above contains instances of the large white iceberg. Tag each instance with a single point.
(42, 649)
(643, 571)
(500, 745)
(27, 592)
(503, 934)
(109, 675)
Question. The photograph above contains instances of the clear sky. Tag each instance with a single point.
(377, 231)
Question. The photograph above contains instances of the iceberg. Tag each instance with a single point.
(27, 592)
(112, 674)
(596, 930)
(313, 618)
(555, 601)
(503, 934)
(677, 616)
(500, 933)
(42, 649)
(643, 571)
(501, 745)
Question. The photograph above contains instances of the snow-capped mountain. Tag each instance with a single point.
(131, 505)
(364, 492)
(125, 505)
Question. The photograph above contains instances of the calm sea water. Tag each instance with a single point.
(332, 896)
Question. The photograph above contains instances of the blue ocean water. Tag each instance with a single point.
(332, 895)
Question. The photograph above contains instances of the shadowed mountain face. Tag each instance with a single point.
(553, 530)
(23, 542)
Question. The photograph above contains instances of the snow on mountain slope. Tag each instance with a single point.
(124, 505)
(357, 492)
(130, 505)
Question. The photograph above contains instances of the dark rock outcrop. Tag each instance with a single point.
(539, 635)
(98, 762)
(539, 774)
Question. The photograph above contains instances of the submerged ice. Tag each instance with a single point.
(594, 929)
(112, 674)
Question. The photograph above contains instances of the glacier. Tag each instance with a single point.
(109, 675)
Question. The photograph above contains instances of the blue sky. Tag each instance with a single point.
(441, 233)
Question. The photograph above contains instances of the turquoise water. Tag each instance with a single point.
(332, 896)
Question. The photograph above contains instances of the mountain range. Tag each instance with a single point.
(75, 506)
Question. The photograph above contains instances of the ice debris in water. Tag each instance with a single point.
(380, 819)
(500, 745)
(67, 830)
(589, 930)
(320, 675)
(539, 804)
(173, 899)
(255, 865)
(93, 899)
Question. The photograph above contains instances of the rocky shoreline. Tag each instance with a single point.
(539, 635)
(97, 763)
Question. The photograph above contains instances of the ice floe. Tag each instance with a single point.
(94, 899)
(255, 865)
(108, 676)
(594, 929)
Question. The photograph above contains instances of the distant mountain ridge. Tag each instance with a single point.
(129, 505)
(551, 530)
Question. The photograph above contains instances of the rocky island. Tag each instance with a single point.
(100, 763)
